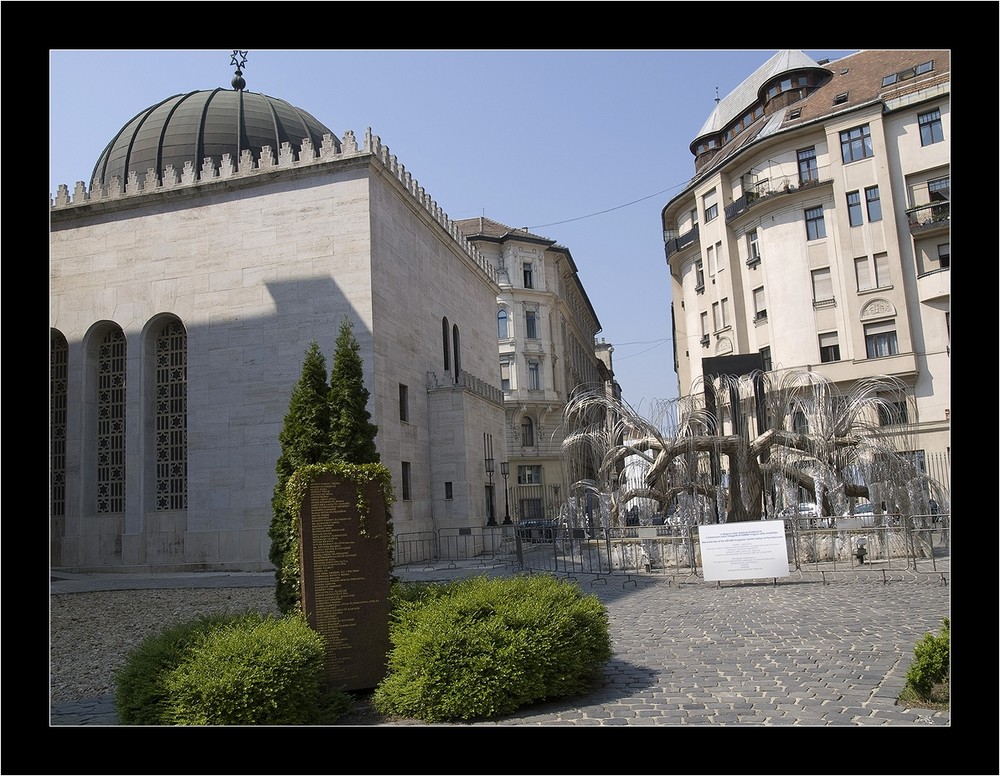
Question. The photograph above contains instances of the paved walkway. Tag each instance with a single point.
(810, 649)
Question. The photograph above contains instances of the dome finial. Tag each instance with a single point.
(239, 60)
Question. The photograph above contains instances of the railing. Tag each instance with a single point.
(881, 544)
(777, 188)
(928, 217)
(672, 243)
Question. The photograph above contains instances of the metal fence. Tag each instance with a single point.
(877, 543)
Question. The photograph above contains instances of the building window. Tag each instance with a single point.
(822, 285)
(856, 144)
(765, 359)
(111, 423)
(710, 256)
(759, 305)
(711, 206)
(840, 98)
(529, 475)
(530, 325)
(944, 255)
(404, 403)
(872, 273)
(406, 480)
(704, 328)
(699, 276)
(503, 329)
(527, 432)
(808, 168)
(694, 217)
(449, 492)
(874, 203)
(58, 380)
(457, 344)
(880, 339)
(829, 348)
(505, 376)
(815, 225)
(939, 190)
(446, 343)
(892, 413)
(854, 208)
(534, 376)
(753, 247)
(720, 314)
(930, 127)
(528, 282)
(171, 418)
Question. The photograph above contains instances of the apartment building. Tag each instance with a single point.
(815, 233)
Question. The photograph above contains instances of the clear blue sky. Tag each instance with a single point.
(582, 147)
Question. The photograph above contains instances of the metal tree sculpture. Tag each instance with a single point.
(735, 445)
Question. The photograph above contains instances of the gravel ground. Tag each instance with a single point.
(92, 634)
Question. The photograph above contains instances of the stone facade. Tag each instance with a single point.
(255, 261)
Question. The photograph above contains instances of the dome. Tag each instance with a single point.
(190, 127)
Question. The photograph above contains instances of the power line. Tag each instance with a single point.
(609, 210)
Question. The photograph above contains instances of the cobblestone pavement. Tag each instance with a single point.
(809, 649)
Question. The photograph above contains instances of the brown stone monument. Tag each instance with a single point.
(345, 579)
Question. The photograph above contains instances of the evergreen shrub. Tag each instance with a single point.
(931, 662)
(247, 669)
(482, 647)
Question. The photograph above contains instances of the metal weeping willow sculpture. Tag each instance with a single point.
(743, 448)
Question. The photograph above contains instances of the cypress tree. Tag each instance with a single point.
(305, 439)
(351, 430)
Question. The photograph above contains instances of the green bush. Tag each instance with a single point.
(484, 647)
(931, 661)
(140, 684)
(257, 670)
(229, 670)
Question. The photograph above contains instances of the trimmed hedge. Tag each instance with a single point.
(249, 669)
(485, 647)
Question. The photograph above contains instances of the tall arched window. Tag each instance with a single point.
(445, 340)
(458, 352)
(58, 364)
(111, 423)
(171, 417)
(503, 331)
(527, 432)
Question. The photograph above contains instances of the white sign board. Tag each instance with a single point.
(749, 550)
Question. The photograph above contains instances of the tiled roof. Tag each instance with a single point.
(860, 75)
(488, 228)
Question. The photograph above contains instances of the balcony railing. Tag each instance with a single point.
(674, 243)
(929, 217)
(768, 190)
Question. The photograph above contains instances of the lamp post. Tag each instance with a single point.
(505, 471)
(489, 472)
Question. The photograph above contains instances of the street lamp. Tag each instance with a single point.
(505, 471)
(489, 472)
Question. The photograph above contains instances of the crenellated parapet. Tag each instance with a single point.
(246, 166)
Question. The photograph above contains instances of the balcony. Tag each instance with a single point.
(930, 219)
(673, 243)
(768, 190)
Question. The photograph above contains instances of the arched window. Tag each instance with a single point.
(445, 342)
(458, 351)
(171, 417)
(111, 423)
(503, 331)
(58, 366)
(527, 432)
